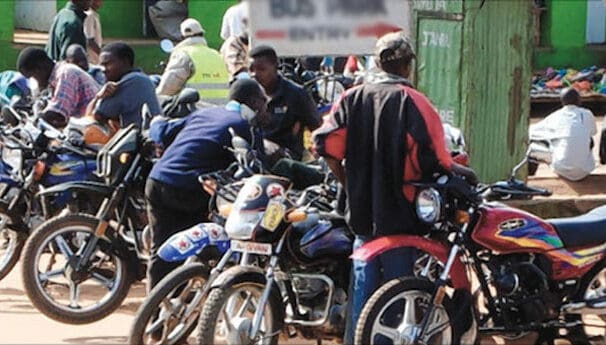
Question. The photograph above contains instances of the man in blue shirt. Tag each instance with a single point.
(127, 89)
(175, 199)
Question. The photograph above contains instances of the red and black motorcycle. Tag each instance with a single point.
(532, 275)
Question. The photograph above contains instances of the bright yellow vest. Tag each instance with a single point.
(210, 77)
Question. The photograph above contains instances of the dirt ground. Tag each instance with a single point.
(21, 323)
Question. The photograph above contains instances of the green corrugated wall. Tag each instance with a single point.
(496, 71)
(474, 64)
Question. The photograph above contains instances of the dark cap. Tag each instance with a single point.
(394, 46)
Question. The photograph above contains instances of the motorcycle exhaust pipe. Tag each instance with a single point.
(597, 307)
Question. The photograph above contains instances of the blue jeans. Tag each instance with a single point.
(366, 277)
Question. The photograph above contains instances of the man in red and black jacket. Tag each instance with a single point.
(378, 137)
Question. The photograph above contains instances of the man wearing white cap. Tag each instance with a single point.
(193, 64)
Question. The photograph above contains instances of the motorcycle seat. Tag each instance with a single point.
(583, 230)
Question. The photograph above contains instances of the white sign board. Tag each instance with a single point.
(325, 27)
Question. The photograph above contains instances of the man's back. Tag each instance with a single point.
(569, 131)
(67, 29)
(73, 90)
(199, 147)
(387, 133)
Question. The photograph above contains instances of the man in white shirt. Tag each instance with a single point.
(569, 131)
(232, 24)
(92, 32)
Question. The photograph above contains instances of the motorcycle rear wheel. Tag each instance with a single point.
(64, 236)
(170, 311)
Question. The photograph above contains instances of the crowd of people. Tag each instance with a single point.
(378, 136)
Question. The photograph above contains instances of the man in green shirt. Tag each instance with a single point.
(67, 29)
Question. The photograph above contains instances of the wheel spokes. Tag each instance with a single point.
(104, 281)
(63, 247)
(385, 331)
(44, 277)
(74, 295)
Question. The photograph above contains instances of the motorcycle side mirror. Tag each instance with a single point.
(167, 46)
(10, 116)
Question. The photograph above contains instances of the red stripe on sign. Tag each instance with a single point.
(270, 34)
(376, 30)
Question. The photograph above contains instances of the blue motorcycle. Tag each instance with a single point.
(35, 156)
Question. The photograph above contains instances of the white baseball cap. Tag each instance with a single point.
(190, 27)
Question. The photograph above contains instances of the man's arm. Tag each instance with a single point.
(89, 33)
(308, 114)
(163, 130)
(179, 69)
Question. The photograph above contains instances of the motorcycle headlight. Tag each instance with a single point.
(429, 205)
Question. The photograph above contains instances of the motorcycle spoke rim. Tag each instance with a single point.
(409, 319)
(95, 277)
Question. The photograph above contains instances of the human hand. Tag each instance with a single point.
(108, 90)
(466, 172)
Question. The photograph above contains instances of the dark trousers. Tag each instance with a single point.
(170, 210)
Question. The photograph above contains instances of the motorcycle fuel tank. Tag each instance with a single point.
(326, 239)
(68, 167)
(506, 230)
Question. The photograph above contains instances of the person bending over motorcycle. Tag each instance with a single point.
(569, 132)
(379, 136)
(291, 107)
(175, 199)
(72, 88)
(126, 91)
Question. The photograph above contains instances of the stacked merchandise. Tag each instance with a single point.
(590, 82)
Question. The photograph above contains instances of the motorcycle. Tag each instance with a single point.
(102, 254)
(170, 312)
(534, 275)
(34, 157)
(305, 279)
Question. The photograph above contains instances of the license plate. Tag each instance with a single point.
(274, 213)
(251, 247)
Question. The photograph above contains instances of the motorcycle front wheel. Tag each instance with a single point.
(170, 312)
(11, 242)
(228, 312)
(394, 313)
(62, 292)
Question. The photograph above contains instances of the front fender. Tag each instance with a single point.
(190, 242)
(238, 274)
(376, 247)
(98, 188)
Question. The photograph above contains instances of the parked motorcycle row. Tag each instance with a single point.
(273, 262)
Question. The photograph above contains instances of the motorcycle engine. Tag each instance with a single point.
(312, 296)
(523, 289)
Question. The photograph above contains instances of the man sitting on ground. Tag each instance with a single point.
(569, 132)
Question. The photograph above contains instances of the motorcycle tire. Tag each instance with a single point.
(219, 296)
(152, 304)
(385, 294)
(11, 245)
(577, 335)
(35, 246)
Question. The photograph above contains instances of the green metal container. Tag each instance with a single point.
(474, 64)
